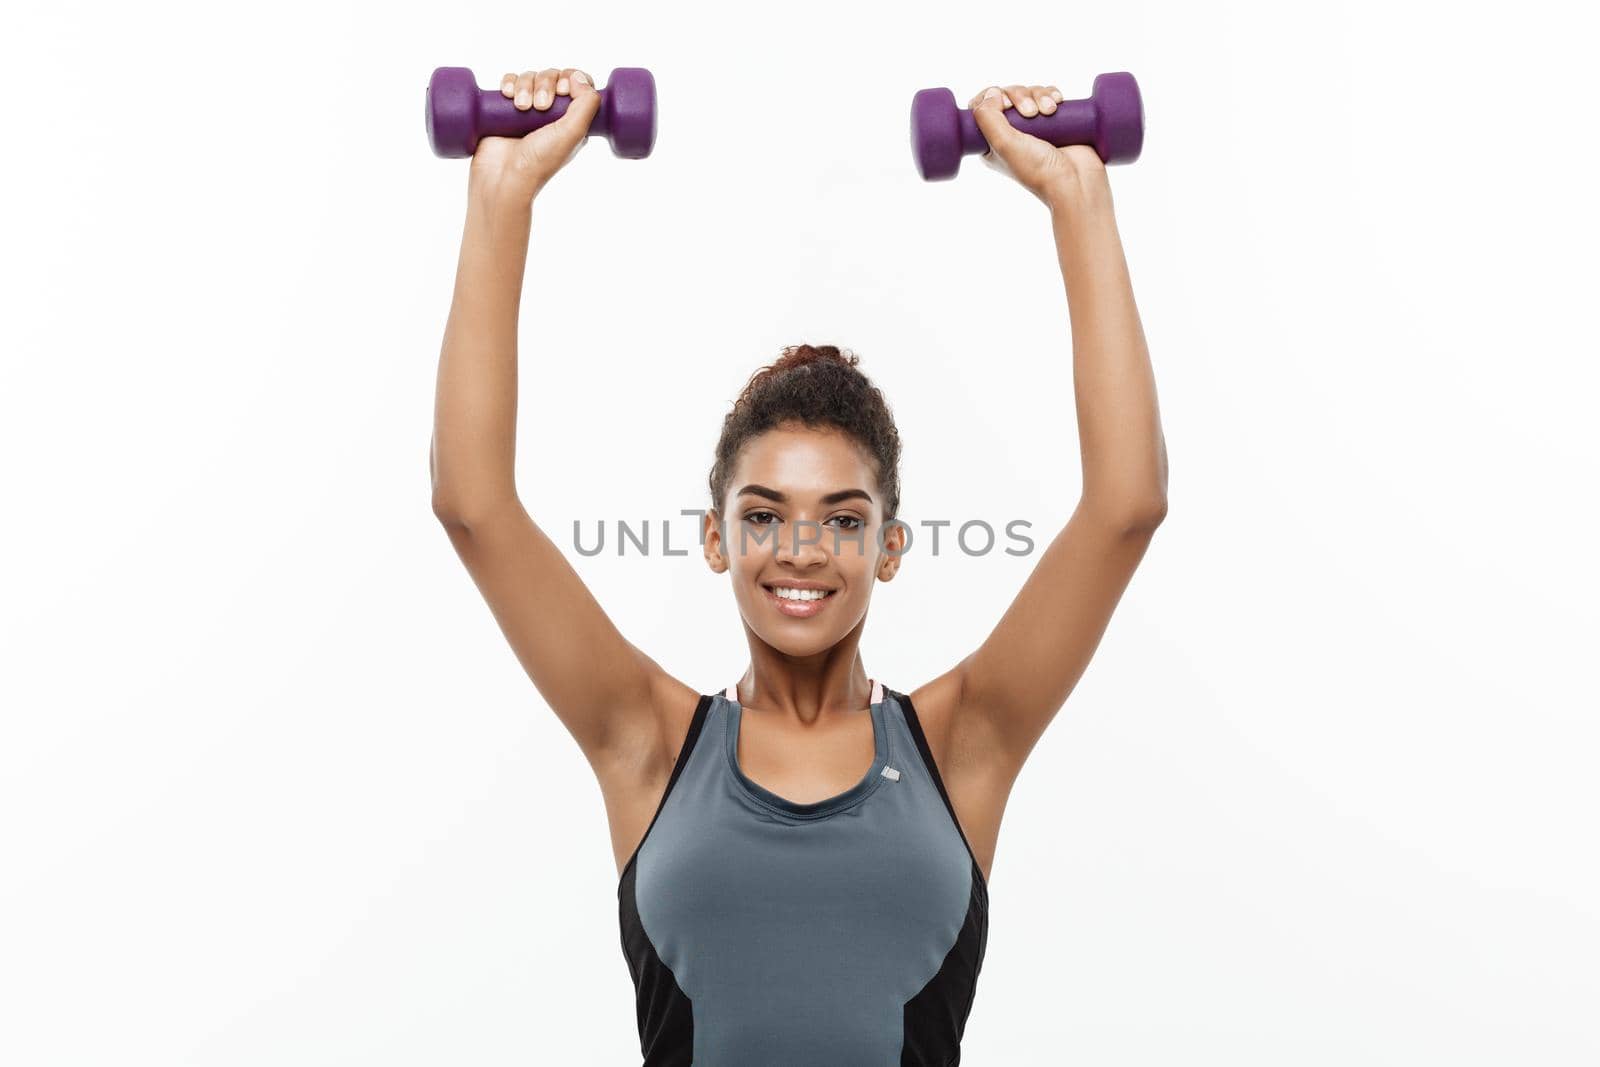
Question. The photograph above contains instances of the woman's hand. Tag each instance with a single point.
(1043, 169)
(522, 166)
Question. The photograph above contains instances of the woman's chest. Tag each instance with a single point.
(734, 888)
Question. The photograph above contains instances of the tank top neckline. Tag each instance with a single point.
(816, 809)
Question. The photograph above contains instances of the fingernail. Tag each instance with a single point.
(1027, 107)
(541, 98)
(581, 76)
(989, 93)
(562, 86)
(523, 99)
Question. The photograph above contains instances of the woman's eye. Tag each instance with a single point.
(759, 517)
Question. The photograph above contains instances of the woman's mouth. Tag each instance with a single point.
(798, 603)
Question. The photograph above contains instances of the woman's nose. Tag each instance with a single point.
(802, 540)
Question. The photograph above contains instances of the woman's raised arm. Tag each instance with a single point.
(991, 708)
(605, 691)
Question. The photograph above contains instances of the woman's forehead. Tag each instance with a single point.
(803, 462)
(824, 441)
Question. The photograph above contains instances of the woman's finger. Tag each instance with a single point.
(508, 85)
(1022, 97)
(1046, 102)
(544, 88)
(524, 96)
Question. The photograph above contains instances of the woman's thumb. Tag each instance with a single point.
(584, 94)
(989, 112)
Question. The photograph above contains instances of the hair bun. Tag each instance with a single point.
(802, 355)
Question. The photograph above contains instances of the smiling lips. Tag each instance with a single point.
(799, 602)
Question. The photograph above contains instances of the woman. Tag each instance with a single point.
(778, 904)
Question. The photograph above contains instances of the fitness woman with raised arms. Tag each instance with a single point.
(779, 905)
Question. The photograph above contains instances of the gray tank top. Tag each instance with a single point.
(845, 931)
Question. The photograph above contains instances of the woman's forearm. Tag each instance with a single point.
(475, 404)
(1119, 426)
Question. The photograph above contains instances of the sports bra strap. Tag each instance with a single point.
(877, 692)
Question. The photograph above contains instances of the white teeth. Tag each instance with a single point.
(800, 594)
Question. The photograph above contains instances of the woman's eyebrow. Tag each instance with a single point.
(831, 498)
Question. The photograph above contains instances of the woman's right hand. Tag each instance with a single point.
(522, 166)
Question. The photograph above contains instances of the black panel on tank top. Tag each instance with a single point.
(937, 1016)
(665, 1014)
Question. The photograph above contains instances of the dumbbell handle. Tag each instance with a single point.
(499, 116)
(1073, 122)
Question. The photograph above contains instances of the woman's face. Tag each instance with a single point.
(803, 508)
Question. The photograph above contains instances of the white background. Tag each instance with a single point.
(273, 788)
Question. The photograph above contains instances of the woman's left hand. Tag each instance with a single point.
(1043, 169)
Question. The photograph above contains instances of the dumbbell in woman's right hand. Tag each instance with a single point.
(525, 164)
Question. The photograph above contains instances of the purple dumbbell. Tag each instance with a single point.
(459, 113)
(1112, 120)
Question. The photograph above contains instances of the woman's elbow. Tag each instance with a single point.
(1143, 517)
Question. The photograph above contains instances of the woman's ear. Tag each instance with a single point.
(711, 541)
(894, 546)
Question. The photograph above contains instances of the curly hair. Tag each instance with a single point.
(816, 386)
